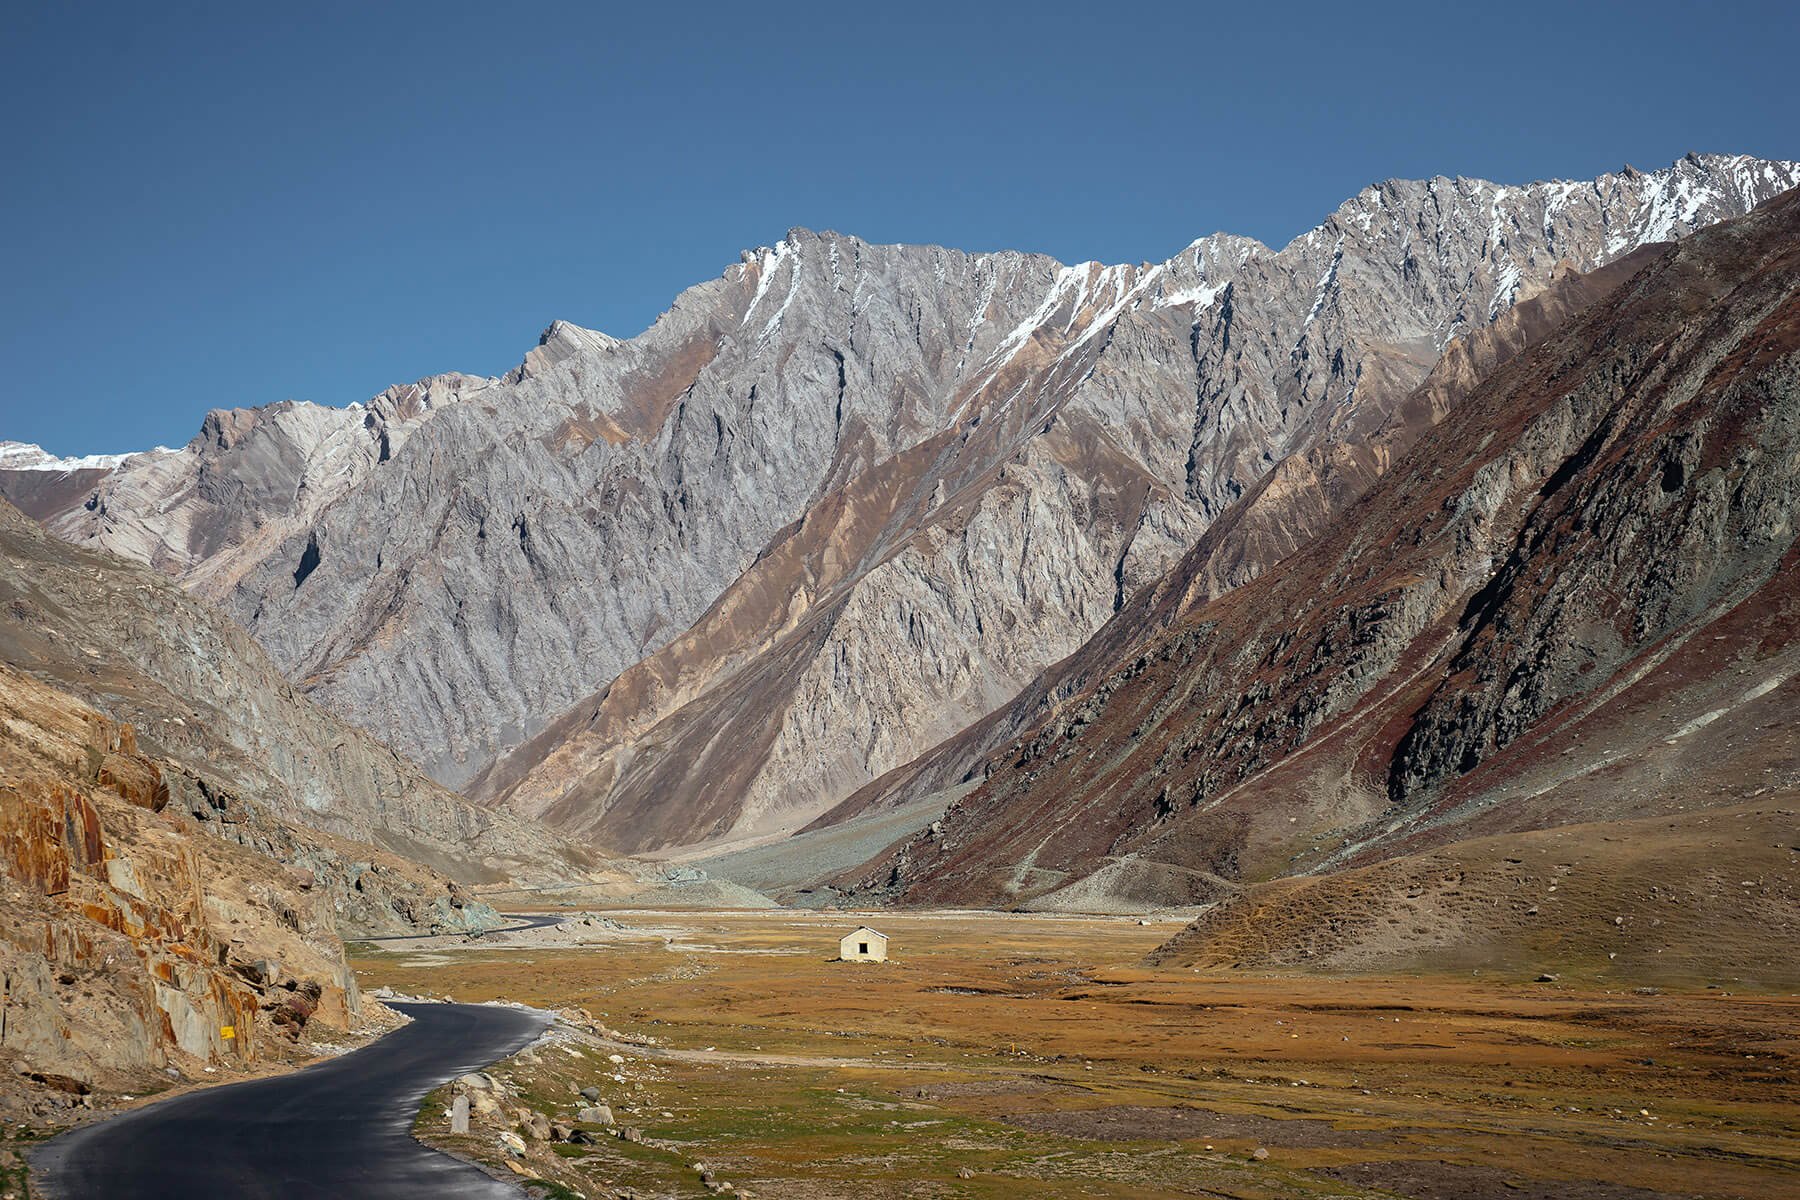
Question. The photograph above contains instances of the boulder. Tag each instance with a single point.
(56, 1083)
(258, 972)
(294, 1010)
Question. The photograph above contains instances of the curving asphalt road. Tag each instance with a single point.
(340, 1128)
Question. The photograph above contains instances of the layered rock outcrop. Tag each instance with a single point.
(184, 839)
(1093, 448)
(1296, 502)
(131, 941)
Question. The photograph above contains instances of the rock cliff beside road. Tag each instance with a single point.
(132, 940)
(184, 840)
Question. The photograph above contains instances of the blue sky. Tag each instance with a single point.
(209, 206)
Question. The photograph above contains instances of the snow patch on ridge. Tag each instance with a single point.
(1200, 297)
(1326, 281)
(25, 456)
(767, 260)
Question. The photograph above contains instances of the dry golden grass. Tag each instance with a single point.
(1037, 1053)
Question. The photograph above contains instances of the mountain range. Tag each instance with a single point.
(857, 529)
(1566, 606)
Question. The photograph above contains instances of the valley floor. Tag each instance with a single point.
(1007, 1055)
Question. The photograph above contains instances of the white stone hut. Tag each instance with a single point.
(863, 944)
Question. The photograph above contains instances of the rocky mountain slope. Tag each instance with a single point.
(184, 840)
(1298, 500)
(835, 505)
(234, 734)
(1570, 601)
(131, 941)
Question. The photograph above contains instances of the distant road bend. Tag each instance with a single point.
(340, 1128)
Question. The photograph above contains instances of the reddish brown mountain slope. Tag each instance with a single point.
(1295, 503)
(1562, 597)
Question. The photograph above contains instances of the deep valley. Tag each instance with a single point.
(1303, 721)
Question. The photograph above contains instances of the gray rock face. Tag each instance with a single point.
(252, 478)
(1564, 604)
(1139, 406)
(1296, 502)
(243, 751)
(835, 504)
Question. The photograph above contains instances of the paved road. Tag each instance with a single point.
(340, 1128)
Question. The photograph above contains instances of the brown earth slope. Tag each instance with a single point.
(1571, 601)
(1691, 898)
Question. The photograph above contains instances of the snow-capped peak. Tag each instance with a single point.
(25, 456)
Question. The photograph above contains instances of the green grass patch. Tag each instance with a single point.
(553, 1189)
